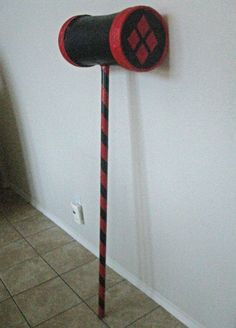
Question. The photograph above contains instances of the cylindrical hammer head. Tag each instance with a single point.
(135, 38)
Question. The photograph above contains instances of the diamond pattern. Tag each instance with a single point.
(133, 39)
(144, 38)
(143, 26)
(142, 54)
(151, 41)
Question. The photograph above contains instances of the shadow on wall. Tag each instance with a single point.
(12, 163)
(140, 180)
(3, 169)
(140, 184)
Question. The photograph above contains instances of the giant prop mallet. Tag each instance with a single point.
(136, 39)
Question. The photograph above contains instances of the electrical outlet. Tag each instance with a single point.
(78, 213)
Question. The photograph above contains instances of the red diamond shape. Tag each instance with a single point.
(143, 26)
(151, 41)
(133, 39)
(142, 54)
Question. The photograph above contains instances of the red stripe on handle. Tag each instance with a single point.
(102, 290)
(102, 250)
(103, 185)
(103, 228)
(104, 124)
(103, 273)
(104, 96)
(103, 203)
(105, 69)
(104, 155)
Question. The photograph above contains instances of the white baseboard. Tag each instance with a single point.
(153, 294)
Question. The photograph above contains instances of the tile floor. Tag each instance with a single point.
(48, 280)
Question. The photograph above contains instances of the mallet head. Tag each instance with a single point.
(135, 38)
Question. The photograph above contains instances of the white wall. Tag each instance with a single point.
(172, 222)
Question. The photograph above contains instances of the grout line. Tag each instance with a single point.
(55, 277)
(25, 238)
(24, 219)
(12, 266)
(22, 313)
(21, 220)
(77, 267)
(143, 316)
(38, 285)
(32, 216)
(82, 300)
(10, 242)
(85, 302)
(42, 322)
(80, 265)
(103, 321)
(107, 288)
(94, 311)
(9, 295)
(59, 275)
(27, 218)
(87, 299)
(16, 304)
(41, 256)
(53, 249)
(35, 233)
(79, 304)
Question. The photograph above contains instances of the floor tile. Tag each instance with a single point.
(84, 280)
(33, 225)
(79, 316)
(27, 274)
(68, 257)
(181, 325)
(7, 196)
(18, 212)
(10, 316)
(3, 292)
(124, 305)
(45, 301)
(3, 221)
(48, 240)
(14, 253)
(159, 318)
(2, 217)
(8, 234)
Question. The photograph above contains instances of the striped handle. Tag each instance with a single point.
(103, 192)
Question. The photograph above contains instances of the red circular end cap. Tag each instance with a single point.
(61, 42)
(139, 38)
